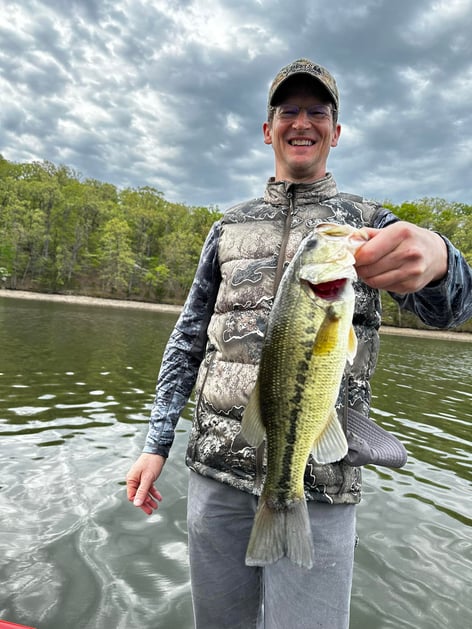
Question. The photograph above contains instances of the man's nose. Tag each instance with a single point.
(302, 121)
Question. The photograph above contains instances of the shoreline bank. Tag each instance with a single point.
(89, 301)
(140, 305)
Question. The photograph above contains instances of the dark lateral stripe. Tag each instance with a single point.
(285, 481)
(291, 435)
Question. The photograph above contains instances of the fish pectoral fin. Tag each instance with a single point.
(252, 428)
(351, 345)
(327, 337)
(331, 445)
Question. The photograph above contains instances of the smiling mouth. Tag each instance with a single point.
(296, 142)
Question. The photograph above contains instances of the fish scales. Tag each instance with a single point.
(307, 343)
(285, 368)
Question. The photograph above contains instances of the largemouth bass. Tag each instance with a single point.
(308, 340)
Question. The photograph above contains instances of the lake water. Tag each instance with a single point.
(76, 385)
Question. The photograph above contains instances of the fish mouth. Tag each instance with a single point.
(329, 291)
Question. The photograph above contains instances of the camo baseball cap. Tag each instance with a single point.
(305, 66)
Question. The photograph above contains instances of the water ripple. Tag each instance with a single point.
(74, 553)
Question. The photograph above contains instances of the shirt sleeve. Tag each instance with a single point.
(443, 304)
(184, 350)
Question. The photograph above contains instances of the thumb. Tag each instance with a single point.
(143, 490)
(370, 232)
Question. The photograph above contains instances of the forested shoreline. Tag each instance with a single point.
(62, 234)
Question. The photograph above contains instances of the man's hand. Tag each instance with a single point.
(402, 258)
(140, 482)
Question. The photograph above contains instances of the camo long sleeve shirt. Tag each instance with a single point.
(444, 304)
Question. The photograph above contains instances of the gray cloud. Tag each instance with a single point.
(173, 93)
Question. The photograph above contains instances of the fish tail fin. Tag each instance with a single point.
(278, 533)
(267, 541)
(300, 549)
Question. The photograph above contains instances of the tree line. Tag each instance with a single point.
(61, 233)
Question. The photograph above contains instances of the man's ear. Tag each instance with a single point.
(336, 134)
(267, 131)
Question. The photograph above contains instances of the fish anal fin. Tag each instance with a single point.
(331, 445)
(252, 428)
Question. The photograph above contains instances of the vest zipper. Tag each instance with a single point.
(283, 245)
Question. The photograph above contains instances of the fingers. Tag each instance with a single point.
(143, 495)
(140, 482)
(375, 248)
(147, 501)
(146, 494)
(402, 258)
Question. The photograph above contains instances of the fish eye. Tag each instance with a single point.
(311, 243)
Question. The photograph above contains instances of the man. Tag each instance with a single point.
(216, 345)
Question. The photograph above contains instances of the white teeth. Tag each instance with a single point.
(301, 142)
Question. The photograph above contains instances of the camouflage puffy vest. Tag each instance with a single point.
(257, 241)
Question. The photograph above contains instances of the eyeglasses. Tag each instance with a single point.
(316, 113)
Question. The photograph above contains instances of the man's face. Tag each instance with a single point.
(301, 144)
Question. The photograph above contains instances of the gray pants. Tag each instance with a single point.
(227, 594)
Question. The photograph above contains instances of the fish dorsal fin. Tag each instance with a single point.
(331, 445)
(252, 428)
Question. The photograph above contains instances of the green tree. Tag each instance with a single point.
(116, 257)
(144, 211)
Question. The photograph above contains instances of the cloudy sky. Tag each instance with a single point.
(172, 93)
